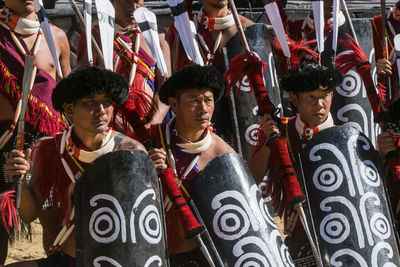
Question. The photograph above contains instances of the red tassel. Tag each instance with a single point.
(136, 110)
(296, 47)
(252, 66)
(8, 211)
(190, 223)
(357, 58)
(280, 159)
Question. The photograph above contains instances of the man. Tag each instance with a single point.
(191, 92)
(387, 67)
(87, 97)
(19, 35)
(214, 19)
(137, 111)
(389, 150)
(311, 90)
(304, 28)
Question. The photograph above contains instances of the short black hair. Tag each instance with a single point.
(309, 77)
(90, 80)
(193, 77)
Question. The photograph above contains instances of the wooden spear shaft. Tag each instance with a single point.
(239, 26)
(81, 21)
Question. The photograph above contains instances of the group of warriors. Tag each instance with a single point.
(148, 127)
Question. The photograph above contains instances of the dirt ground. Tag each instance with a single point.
(23, 250)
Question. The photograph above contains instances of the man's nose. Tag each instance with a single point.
(203, 107)
(100, 108)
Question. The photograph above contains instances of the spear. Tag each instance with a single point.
(275, 19)
(348, 19)
(318, 12)
(385, 46)
(44, 23)
(29, 74)
(82, 23)
(278, 145)
(335, 30)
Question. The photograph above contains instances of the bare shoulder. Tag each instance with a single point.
(245, 21)
(130, 144)
(58, 34)
(220, 146)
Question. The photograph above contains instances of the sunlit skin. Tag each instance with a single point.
(124, 11)
(97, 110)
(90, 116)
(313, 106)
(23, 8)
(194, 109)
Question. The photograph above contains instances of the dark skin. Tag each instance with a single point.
(193, 109)
(43, 60)
(313, 108)
(91, 116)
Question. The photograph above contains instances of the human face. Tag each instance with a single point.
(193, 108)
(313, 106)
(124, 11)
(217, 4)
(396, 12)
(22, 8)
(91, 114)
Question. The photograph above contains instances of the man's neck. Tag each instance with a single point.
(214, 12)
(188, 135)
(90, 141)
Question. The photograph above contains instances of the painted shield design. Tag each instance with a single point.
(236, 216)
(350, 105)
(119, 219)
(259, 39)
(348, 201)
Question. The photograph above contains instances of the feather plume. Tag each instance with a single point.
(353, 57)
(297, 47)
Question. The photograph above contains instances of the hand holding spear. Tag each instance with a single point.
(251, 65)
(29, 74)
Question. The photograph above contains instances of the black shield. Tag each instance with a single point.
(119, 218)
(350, 105)
(259, 39)
(236, 215)
(348, 201)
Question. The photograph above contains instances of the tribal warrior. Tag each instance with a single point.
(187, 144)
(311, 90)
(20, 35)
(87, 96)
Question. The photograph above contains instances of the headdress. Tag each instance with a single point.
(194, 76)
(309, 77)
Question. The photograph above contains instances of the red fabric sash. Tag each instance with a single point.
(40, 112)
(48, 166)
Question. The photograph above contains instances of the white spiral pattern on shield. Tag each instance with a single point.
(380, 226)
(369, 173)
(232, 221)
(244, 84)
(251, 134)
(327, 177)
(334, 228)
(150, 224)
(107, 222)
(351, 85)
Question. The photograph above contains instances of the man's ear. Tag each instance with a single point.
(173, 102)
(293, 99)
